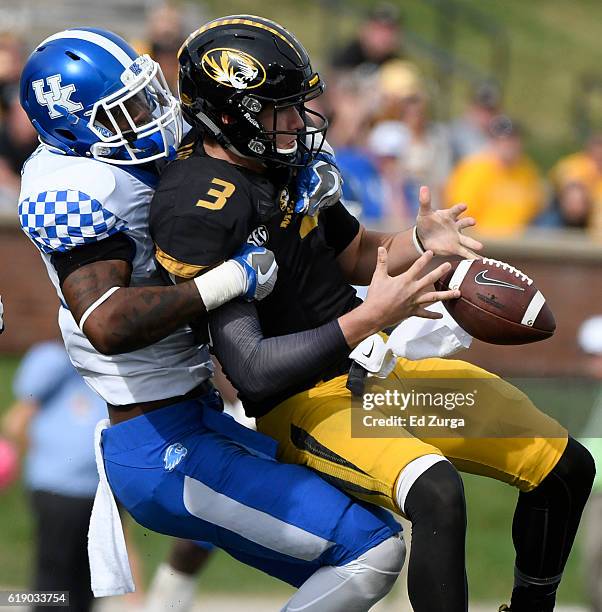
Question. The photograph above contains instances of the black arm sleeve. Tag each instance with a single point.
(341, 227)
(117, 246)
(261, 367)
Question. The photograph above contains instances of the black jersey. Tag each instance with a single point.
(204, 210)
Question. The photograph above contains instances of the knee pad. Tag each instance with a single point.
(547, 518)
(375, 572)
(354, 587)
(410, 474)
(438, 494)
(572, 477)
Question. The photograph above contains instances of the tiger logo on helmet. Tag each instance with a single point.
(233, 68)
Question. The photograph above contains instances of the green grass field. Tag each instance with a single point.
(490, 553)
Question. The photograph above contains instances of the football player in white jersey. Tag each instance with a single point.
(105, 116)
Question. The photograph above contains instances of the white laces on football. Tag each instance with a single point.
(508, 268)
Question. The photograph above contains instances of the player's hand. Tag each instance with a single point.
(1, 315)
(319, 185)
(260, 269)
(392, 299)
(441, 230)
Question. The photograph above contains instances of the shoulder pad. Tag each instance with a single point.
(50, 171)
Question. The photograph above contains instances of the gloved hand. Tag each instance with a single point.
(319, 185)
(260, 269)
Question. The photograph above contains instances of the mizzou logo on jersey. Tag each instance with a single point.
(233, 68)
(283, 199)
(286, 206)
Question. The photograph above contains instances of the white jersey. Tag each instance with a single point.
(70, 201)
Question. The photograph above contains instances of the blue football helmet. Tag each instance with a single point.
(88, 93)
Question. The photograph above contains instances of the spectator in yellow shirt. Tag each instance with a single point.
(583, 168)
(501, 185)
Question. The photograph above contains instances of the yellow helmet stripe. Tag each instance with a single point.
(247, 20)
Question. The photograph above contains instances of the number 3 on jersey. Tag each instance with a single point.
(220, 193)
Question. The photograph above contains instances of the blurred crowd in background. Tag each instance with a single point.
(387, 137)
(389, 142)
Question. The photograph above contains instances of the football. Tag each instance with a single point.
(499, 304)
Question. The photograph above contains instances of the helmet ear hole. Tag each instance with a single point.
(67, 134)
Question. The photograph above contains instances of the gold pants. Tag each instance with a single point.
(313, 428)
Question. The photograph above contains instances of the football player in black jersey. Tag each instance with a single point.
(244, 84)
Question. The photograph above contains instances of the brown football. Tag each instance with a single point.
(499, 304)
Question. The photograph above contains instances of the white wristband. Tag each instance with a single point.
(417, 242)
(94, 305)
(221, 284)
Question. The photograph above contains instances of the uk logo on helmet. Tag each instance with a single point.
(233, 68)
(58, 99)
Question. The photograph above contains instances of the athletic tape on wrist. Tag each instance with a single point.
(103, 298)
(221, 284)
(417, 243)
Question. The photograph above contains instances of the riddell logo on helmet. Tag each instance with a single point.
(233, 68)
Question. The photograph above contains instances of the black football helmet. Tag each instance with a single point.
(239, 65)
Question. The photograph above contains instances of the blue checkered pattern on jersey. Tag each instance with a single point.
(61, 220)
